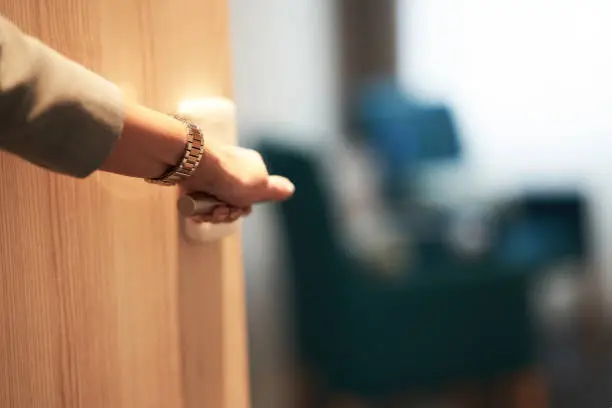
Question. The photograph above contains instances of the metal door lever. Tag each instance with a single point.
(197, 204)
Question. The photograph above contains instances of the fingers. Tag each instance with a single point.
(222, 214)
(241, 179)
(233, 215)
(278, 189)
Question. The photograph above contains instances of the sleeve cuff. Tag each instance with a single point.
(57, 114)
(85, 116)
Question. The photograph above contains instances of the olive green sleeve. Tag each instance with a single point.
(53, 112)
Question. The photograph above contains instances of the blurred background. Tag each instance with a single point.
(450, 240)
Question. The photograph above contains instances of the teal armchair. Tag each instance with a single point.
(372, 337)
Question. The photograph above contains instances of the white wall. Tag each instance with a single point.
(531, 83)
(284, 77)
(284, 68)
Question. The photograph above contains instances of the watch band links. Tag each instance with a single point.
(194, 150)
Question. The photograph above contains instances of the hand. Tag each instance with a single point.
(238, 177)
(223, 214)
(152, 141)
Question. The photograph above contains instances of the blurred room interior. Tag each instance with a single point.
(448, 241)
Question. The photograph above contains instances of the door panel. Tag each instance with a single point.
(102, 304)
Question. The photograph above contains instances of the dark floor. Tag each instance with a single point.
(577, 379)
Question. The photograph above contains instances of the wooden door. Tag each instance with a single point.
(101, 302)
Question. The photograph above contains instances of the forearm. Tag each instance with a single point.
(150, 143)
(61, 116)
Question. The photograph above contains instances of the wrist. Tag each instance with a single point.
(210, 172)
(150, 143)
(166, 139)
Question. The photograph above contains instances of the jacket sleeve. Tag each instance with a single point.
(53, 112)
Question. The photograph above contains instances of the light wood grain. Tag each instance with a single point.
(101, 303)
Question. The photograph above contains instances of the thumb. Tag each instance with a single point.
(278, 189)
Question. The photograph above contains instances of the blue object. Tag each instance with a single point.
(404, 134)
(545, 229)
(369, 336)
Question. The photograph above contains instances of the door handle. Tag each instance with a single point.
(216, 117)
(196, 204)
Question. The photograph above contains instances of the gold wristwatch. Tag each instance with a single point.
(194, 150)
